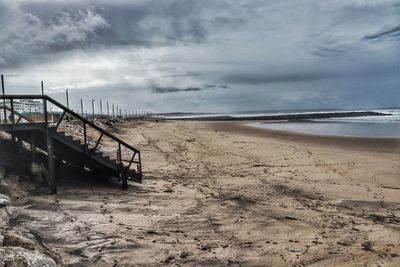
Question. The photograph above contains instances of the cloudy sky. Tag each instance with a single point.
(205, 55)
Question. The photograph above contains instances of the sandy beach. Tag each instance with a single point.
(225, 194)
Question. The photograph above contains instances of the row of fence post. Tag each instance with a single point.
(117, 112)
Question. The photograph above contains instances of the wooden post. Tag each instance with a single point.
(41, 83)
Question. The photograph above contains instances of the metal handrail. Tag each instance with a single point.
(64, 108)
(79, 117)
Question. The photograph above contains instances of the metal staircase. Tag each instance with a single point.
(69, 139)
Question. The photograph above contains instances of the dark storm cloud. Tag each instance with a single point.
(265, 78)
(166, 90)
(44, 27)
(26, 35)
(392, 32)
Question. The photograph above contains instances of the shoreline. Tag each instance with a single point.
(387, 145)
(296, 117)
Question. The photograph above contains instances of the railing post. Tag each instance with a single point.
(51, 168)
(12, 119)
(12, 111)
(82, 108)
(119, 156)
(50, 151)
(85, 137)
(33, 148)
(108, 111)
(122, 173)
(45, 111)
(140, 167)
(4, 101)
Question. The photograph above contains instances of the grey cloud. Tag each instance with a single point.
(50, 27)
(330, 51)
(392, 32)
(265, 78)
(25, 35)
(215, 86)
(166, 90)
(345, 25)
(190, 74)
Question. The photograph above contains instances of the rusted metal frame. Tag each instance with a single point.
(97, 144)
(60, 120)
(130, 163)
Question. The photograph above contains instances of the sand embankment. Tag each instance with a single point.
(218, 194)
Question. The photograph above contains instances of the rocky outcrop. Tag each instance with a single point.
(21, 257)
(17, 248)
(4, 201)
(14, 238)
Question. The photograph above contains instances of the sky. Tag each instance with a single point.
(205, 55)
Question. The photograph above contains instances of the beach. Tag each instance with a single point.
(226, 194)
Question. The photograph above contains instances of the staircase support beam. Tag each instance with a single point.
(51, 168)
(33, 149)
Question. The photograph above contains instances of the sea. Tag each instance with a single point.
(368, 126)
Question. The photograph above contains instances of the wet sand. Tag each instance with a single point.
(224, 194)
